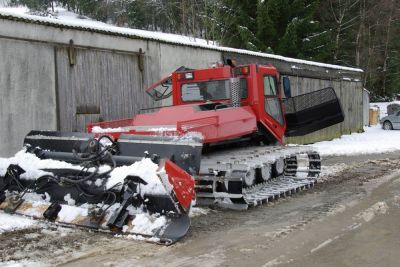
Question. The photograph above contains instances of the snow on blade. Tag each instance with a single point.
(189, 136)
(70, 213)
(144, 223)
(145, 169)
(32, 164)
(98, 129)
(147, 224)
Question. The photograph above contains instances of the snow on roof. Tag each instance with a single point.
(70, 20)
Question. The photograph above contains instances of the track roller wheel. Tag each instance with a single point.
(278, 167)
(264, 173)
(248, 177)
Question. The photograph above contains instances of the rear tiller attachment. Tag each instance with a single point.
(75, 179)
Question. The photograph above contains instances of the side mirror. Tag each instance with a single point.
(286, 87)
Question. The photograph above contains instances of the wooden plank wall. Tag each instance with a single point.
(350, 95)
(27, 92)
(108, 84)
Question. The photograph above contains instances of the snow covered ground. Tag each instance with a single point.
(373, 140)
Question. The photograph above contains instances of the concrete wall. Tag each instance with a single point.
(49, 82)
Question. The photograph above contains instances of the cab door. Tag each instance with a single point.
(271, 113)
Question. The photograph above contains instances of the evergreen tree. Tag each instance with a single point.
(362, 33)
(236, 23)
(289, 27)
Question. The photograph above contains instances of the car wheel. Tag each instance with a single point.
(387, 125)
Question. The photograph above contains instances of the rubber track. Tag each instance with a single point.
(285, 185)
(278, 188)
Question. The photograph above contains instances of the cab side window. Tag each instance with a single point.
(269, 86)
(271, 102)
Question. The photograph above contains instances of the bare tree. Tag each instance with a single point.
(341, 13)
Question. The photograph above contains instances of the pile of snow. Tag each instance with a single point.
(10, 223)
(145, 169)
(147, 224)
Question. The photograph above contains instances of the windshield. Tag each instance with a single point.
(210, 90)
(161, 90)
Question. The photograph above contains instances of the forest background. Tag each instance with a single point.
(356, 33)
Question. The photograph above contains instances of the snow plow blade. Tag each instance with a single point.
(127, 149)
(102, 184)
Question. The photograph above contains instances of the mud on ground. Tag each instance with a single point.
(291, 231)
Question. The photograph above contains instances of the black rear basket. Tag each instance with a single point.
(311, 112)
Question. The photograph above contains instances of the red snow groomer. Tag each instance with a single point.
(221, 137)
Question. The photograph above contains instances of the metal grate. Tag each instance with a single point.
(235, 92)
(309, 100)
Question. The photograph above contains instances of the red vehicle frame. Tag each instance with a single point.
(215, 124)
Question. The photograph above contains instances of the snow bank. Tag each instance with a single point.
(373, 140)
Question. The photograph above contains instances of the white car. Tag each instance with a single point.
(391, 122)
